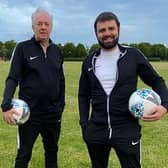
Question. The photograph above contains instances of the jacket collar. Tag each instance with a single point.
(123, 50)
(38, 42)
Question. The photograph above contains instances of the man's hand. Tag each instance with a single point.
(155, 114)
(8, 116)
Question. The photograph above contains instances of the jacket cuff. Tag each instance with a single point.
(165, 105)
(5, 107)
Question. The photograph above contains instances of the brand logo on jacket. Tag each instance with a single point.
(89, 69)
(34, 57)
(134, 142)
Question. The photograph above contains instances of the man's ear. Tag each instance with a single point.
(118, 30)
(32, 27)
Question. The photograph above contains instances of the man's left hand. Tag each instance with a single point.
(156, 114)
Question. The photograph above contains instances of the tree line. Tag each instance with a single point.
(70, 51)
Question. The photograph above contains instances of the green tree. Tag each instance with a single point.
(156, 50)
(161, 51)
(94, 47)
(81, 51)
(3, 51)
(9, 45)
(166, 53)
(68, 50)
(1, 44)
(145, 48)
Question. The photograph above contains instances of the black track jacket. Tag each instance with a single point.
(40, 77)
(109, 116)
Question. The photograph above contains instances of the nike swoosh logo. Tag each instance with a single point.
(134, 143)
(32, 58)
(89, 69)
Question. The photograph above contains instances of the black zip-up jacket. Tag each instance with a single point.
(109, 116)
(40, 77)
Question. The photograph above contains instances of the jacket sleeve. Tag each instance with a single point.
(84, 96)
(12, 79)
(62, 88)
(150, 77)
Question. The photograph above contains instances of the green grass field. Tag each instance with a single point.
(72, 150)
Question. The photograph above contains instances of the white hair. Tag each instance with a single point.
(40, 10)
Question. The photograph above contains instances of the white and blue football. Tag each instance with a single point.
(142, 101)
(23, 111)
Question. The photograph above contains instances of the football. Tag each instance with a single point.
(23, 109)
(142, 101)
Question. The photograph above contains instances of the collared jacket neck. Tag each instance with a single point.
(121, 48)
(38, 42)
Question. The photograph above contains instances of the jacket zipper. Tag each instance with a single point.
(108, 116)
(45, 55)
(108, 96)
(108, 100)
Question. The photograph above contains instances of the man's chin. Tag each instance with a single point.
(43, 39)
(108, 45)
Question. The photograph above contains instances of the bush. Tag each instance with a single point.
(154, 58)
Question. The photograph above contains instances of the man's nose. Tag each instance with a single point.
(107, 32)
(43, 26)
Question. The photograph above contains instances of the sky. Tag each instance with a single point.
(141, 20)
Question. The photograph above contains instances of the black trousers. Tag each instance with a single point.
(127, 150)
(48, 126)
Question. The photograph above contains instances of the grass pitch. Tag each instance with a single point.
(72, 150)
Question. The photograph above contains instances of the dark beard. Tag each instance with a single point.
(109, 45)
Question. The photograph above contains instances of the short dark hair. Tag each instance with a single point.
(105, 16)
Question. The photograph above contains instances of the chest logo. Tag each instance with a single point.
(89, 69)
(134, 143)
(32, 58)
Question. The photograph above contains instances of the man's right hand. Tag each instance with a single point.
(8, 116)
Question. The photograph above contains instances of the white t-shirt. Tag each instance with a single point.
(106, 68)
